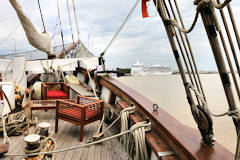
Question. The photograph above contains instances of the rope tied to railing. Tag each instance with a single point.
(124, 115)
(136, 141)
(126, 111)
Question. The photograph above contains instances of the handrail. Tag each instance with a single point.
(185, 141)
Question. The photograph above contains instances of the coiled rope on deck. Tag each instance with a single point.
(136, 134)
(145, 125)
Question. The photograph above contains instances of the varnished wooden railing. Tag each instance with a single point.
(185, 141)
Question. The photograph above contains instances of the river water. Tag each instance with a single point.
(168, 92)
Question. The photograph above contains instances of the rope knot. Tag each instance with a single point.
(141, 125)
(130, 109)
(201, 3)
(234, 114)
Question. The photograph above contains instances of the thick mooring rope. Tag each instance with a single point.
(135, 141)
(134, 127)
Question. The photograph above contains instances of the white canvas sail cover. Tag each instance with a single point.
(40, 41)
(8, 88)
(6, 69)
(14, 70)
(66, 65)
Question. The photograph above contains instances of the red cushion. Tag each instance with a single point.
(56, 93)
(76, 114)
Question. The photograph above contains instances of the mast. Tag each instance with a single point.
(201, 116)
(209, 20)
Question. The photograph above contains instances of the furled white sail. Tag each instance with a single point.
(66, 65)
(40, 41)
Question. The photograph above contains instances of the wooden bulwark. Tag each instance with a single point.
(185, 141)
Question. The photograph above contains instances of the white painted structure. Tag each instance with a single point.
(8, 88)
(139, 69)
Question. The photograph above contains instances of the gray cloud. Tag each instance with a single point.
(141, 39)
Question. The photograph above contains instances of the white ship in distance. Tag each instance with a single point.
(140, 69)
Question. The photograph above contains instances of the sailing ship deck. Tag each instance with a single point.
(68, 136)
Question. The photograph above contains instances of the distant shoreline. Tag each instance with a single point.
(200, 72)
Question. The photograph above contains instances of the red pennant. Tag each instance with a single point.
(1, 95)
(144, 8)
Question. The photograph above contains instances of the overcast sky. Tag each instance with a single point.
(141, 39)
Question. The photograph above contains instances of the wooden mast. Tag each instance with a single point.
(209, 17)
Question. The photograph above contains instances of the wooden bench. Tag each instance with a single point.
(153, 139)
(42, 105)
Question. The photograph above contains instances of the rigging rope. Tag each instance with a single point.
(77, 27)
(41, 16)
(127, 110)
(9, 35)
(200, 4)
(70, 21)
(60, 22)
(234, 113)
(120, 28)
(146, 126)
(90, 78)
(234, 25)
(226, 49)
(198, 81)
(190, 56)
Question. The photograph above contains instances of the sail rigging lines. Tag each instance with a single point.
(120, 28)
(70, 21)
(9, 35)
(77, 27)
(40, 10)
(60, 22)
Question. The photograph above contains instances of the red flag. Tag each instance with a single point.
(144, 8)
(1, 95)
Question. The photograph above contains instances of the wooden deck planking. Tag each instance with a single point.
(85, 151)
(78, 153)
(70, 154)
(67, 136)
